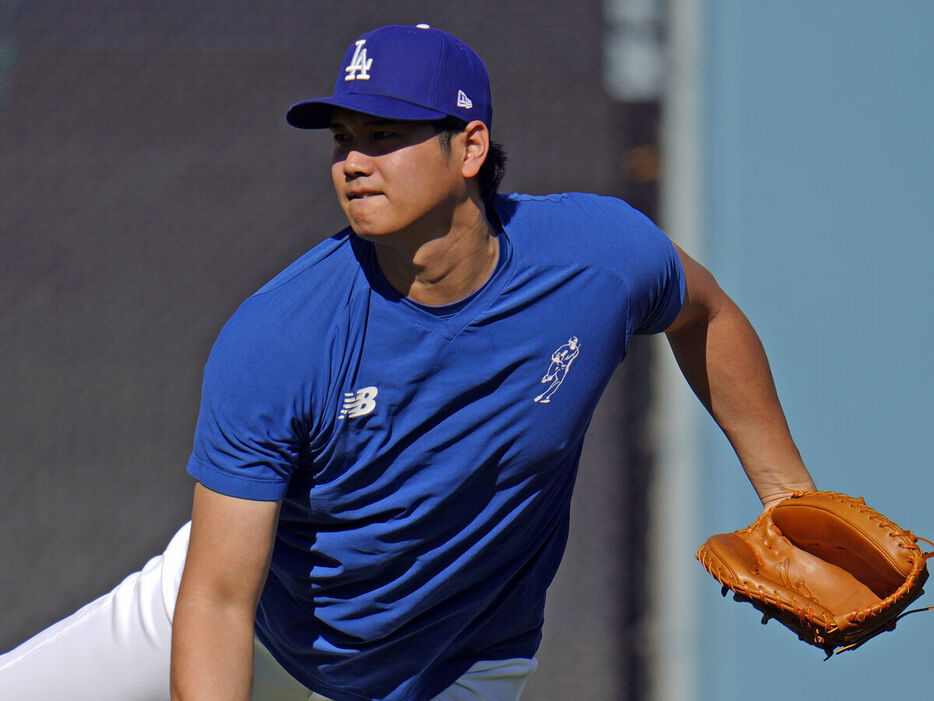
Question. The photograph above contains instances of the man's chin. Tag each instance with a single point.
(368, 230)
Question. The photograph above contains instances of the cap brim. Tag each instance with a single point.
(316, 114)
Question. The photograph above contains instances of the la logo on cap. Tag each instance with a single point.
(401, 72)
(359, 68)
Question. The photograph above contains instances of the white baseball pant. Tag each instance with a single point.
(118, 648)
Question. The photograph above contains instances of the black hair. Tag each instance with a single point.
(493, 168)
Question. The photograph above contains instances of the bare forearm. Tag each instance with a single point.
(212, 651)
(212, 633)
(726, 365)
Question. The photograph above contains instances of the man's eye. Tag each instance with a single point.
(340, 138)
(383, 135)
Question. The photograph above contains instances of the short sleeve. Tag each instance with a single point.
(648, 261)
(660, 285)
(249, 433)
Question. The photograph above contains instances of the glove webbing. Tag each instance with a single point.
(927, 556)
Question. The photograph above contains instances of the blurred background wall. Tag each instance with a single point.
(149, 182)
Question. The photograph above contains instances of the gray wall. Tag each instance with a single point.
(148, 183)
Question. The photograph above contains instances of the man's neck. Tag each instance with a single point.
(444, 269)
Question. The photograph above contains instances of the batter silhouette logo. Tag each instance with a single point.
(359, 68)
(359, 403)
(561, 361)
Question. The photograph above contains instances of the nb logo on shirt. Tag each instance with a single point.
(359, 403)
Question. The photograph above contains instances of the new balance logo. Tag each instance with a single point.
(359, 403)
(359, 68)
(463, 100)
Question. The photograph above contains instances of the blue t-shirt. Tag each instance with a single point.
(425, 457)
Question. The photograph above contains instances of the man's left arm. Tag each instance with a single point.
(723, 360)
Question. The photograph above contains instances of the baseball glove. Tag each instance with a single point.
(823, 564)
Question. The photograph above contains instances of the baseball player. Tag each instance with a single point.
(383, 491)
(561, 361)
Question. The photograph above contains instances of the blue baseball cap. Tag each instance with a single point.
(407, 73)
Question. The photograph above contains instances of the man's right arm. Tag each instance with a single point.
(228, 559)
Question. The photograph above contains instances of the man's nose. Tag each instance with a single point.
(357, 163)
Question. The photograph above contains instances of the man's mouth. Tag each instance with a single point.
(360, 195)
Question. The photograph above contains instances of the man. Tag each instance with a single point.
(383, 492)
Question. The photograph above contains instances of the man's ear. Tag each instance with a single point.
(476, 147)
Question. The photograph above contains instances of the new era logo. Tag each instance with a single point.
(359, 403)
(463, 100)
